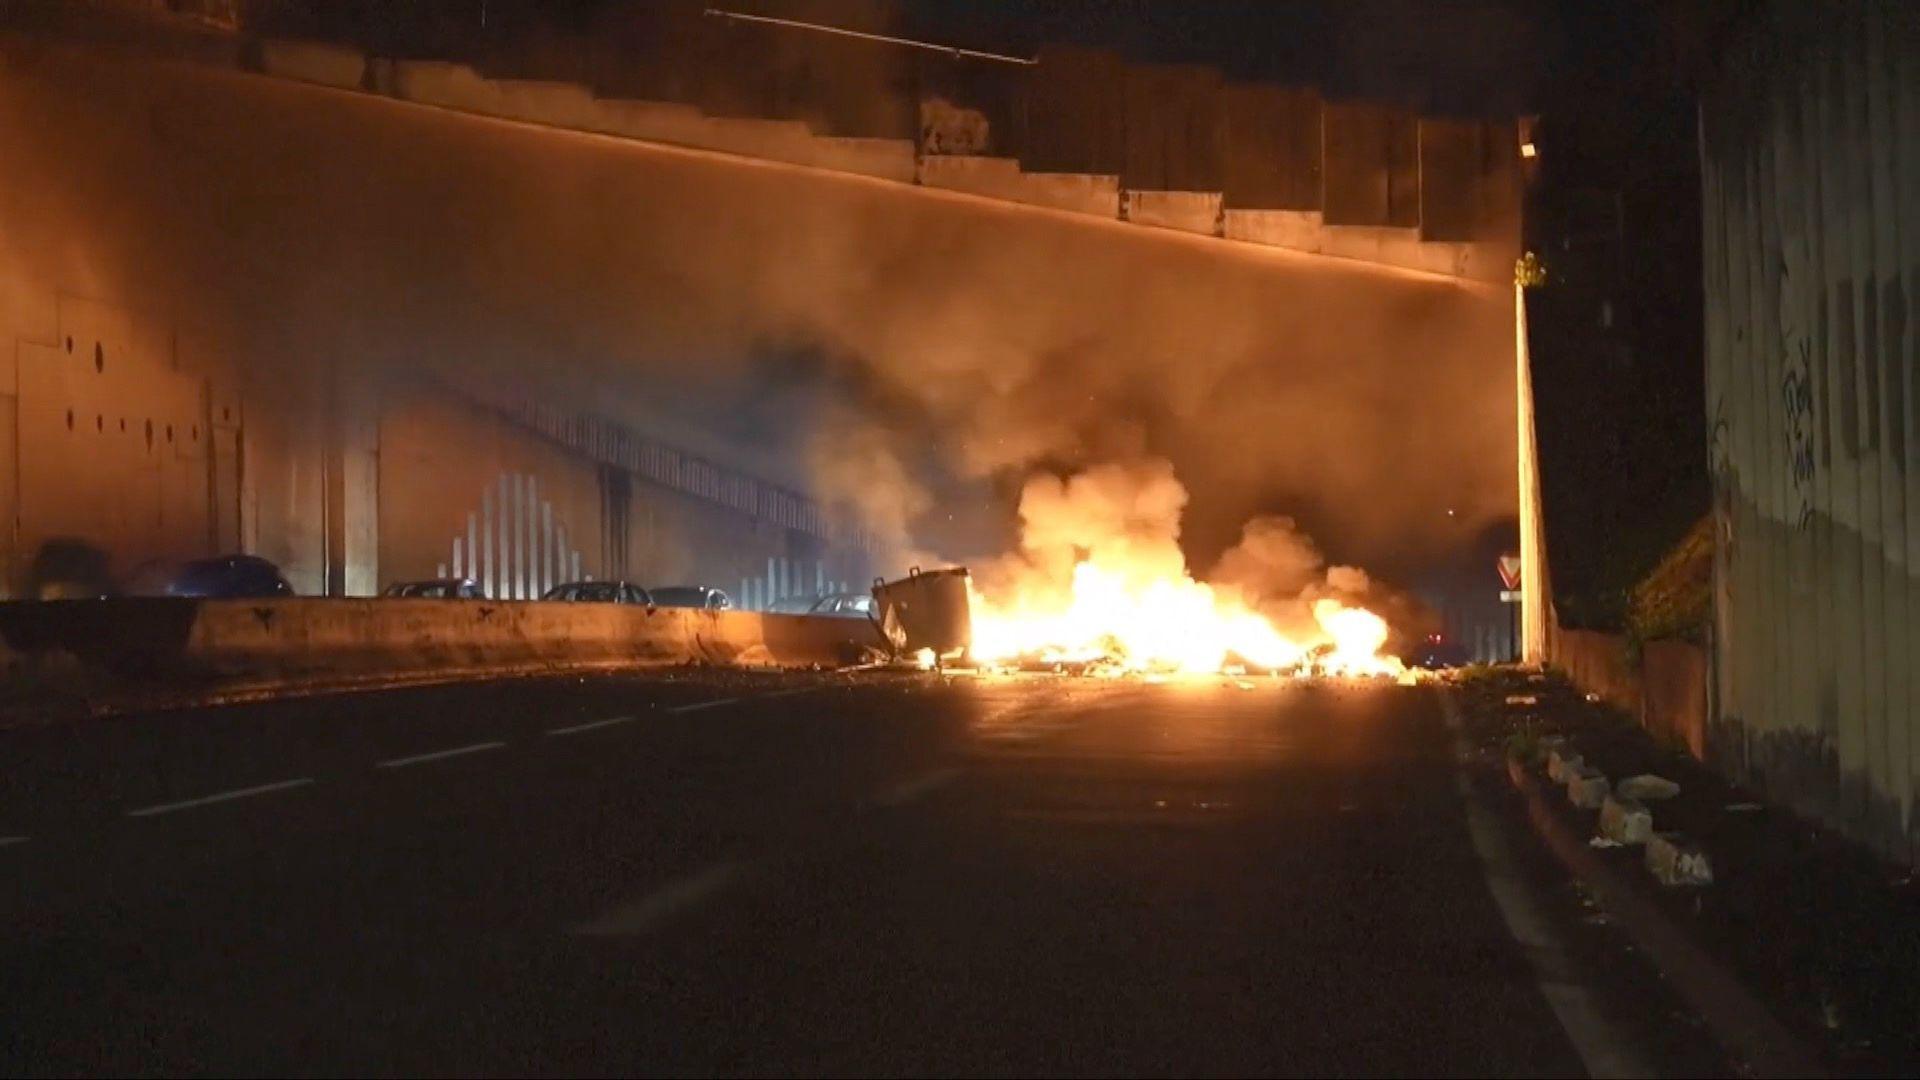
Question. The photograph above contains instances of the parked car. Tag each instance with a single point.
(230, 577)
(599, 592)
(69, 569)
(435, 589)
(846, 605)
(704, 597)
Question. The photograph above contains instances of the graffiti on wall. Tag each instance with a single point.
(1796, 398)
(1724, 477)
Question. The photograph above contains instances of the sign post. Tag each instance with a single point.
(1509, 567)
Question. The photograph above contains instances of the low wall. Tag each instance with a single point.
(1189, 211)
(111, 653)
(1673, 680)
(1667, 691)
(1597, 663)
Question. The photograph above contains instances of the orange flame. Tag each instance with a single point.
(1100, 578)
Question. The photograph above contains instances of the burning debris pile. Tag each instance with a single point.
(1099, 584)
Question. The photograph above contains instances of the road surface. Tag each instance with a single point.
(729, 874)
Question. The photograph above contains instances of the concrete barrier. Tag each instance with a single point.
(119, 650)
(314, 62)
(1188, 211)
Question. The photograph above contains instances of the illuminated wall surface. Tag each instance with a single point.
(1812, 194)
(333, 297)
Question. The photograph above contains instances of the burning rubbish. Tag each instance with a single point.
(1100, 587)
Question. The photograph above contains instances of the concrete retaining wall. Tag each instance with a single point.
(1667, 691)
(1673, 680)
(571, 105)
(1810, 173)
(1597, 663)
(1306, 230)
(1190, 211)
(137, 649)
(314, 62)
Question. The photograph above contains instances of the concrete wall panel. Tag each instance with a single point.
(1175, 126)
(1809, 168)
(1273, 148)
(324, 238)
(1074, 120)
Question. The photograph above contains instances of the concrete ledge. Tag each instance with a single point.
(1002, 178)
(449, 85)
(99, 653)
(556, 104)
(1304, 230)
(1188, 211)
(314, 62)
(1082, 193)
(888, 159)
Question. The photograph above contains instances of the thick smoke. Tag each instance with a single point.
(1120, 516)
(976, 343)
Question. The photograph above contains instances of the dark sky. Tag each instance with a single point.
(1452, 56)
(1464, 57)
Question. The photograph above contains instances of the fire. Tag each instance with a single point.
(1100, 579)
(1170, 624)
(1142, 623)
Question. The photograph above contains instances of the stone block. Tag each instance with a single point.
(1625, 821)
(1587, 788)
(1562, 762)
(1648, 786)
(1674, 860)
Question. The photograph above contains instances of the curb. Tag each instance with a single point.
(1743, 1026)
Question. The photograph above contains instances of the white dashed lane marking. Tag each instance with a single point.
(219, 797)
(698, 705)
(417, 759)
(8, 841)
(591, 725)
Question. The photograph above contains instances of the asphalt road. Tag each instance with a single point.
(723, 874)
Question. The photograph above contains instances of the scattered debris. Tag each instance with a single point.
(1603, 842)
(1243, 684)
(1562, 763)
(1648, 786)
(1593, 697)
